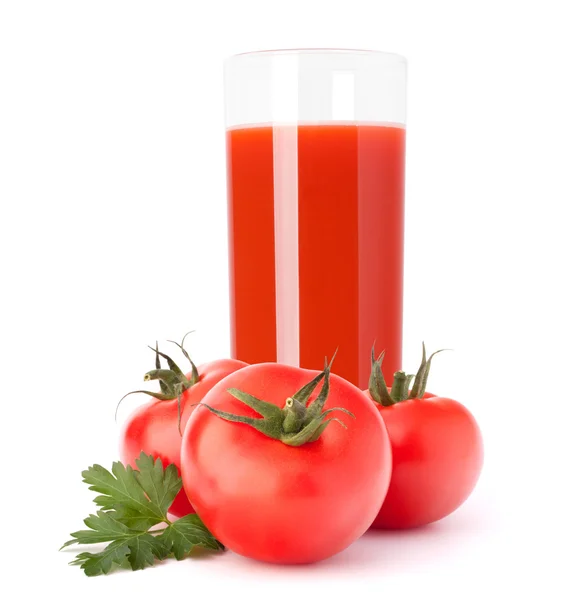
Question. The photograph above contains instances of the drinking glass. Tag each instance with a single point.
(315, 165)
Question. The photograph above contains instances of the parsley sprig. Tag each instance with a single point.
(131, 503)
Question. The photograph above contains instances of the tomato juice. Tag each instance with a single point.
(316, 215)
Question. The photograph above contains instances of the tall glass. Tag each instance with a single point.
(316, 159)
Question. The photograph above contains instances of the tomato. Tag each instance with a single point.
(437, 453)
(153, 427)
(267, 499)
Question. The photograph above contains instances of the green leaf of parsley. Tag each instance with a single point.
(121, 487)
(187, 532)
(102, 562)
(132, 502)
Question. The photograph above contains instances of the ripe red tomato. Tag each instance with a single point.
(268, 500)
(153, 427)
(437, 455)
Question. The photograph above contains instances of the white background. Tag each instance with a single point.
(113, 234)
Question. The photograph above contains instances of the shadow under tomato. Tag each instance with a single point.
(380, 551)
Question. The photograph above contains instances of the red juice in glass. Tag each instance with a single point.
(316, 214)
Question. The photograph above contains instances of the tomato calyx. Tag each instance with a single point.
(295, 424)
(172, 381)
(400, 389)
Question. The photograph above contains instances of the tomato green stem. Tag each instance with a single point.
(169, 378)
(296, 423)
(194, 372)
(162, 385)
(172, 382)
(377, 385)
(294, 416)
(400, 390)
(420, 385)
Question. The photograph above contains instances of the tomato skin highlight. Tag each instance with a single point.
(437, 454)
(276, 503)
(152, 427)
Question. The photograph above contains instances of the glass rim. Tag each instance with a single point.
(320, 51)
